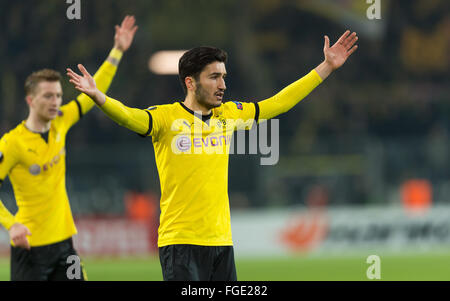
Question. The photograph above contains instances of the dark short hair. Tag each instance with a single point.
(44, 75)
(195, 60)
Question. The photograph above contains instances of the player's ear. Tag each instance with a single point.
(190, 83)
(29, 100)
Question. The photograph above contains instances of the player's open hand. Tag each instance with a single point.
(85, 83)
(125, 33)
(18, 234)
(336, 55)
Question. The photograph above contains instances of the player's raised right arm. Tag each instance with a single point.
(136, 120)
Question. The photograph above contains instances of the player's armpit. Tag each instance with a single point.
(289, 96)
(133, 119)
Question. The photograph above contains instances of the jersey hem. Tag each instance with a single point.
(48, 242)
(197, 243)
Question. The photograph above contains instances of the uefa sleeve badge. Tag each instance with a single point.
(238, 105)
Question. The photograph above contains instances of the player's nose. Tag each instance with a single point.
(222, 84)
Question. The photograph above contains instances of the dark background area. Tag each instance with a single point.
(377, 122)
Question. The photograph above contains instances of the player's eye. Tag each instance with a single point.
(216, 76)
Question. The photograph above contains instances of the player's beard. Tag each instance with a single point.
(201, 95)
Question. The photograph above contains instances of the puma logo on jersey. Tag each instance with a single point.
(186, 123)
(32, 151)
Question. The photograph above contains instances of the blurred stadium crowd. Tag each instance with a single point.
(379, 121)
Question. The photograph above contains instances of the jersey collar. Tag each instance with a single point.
(204, 118)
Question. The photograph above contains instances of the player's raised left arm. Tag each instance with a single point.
(287, 98)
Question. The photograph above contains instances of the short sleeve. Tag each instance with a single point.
(8, 156)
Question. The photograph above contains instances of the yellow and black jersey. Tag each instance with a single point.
(192, 159)
(192, 153)
(36, 165)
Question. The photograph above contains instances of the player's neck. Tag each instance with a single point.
(36, 124)
(191, 103)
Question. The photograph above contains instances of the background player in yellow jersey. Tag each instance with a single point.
(33, 155)
(192, 140)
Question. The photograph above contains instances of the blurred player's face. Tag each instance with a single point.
(210, 86)
(45, 101)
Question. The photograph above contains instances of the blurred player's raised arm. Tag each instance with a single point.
(124, 35)
(287, 98)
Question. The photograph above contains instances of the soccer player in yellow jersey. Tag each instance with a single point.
(191, 140)
(33, 155)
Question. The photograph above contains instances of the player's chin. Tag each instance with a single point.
(216, 102)
(51, 116)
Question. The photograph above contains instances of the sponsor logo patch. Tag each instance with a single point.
(35, 169)
(183, 143)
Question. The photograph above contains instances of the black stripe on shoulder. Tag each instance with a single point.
(1, 182)
(150, 125)
(79, 108)
(256, 112)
